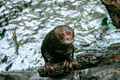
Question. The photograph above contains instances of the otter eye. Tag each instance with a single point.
(62, 34)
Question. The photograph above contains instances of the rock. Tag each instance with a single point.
(106, 72)
(115, 46)
(85, 61)
(14, 76)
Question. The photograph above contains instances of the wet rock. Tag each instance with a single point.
(85, 61)
(111, 72)
(106, 72)
(15, 75)
(88, 60)
(115, 46)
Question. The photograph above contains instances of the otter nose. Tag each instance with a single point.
(68, 37)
